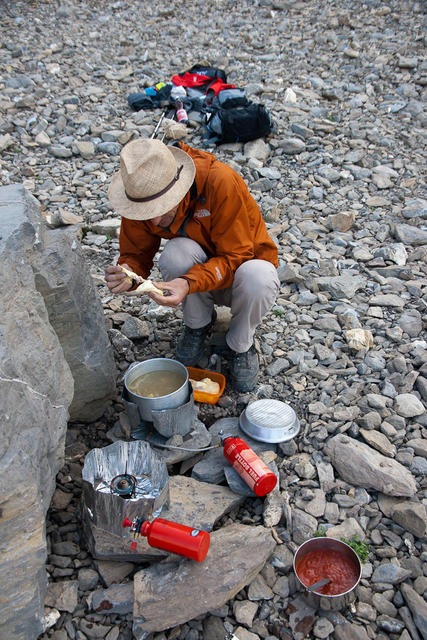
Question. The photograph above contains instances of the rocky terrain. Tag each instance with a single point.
(340, 185)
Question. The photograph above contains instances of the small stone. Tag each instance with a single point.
(322, 628)
(341, 221)
(88, 579)
(109, 226)
(412, 517)
(386, 300)
(61, 499)
(408, 234)
(395, 252)
(110, 148)
(66, 548)
(406, 62)
(134, 328)
(383, 605)
(85, 149)
(244, 612)
(116, 599)
(292, 146)
(411, 322)
(304, 526)
(6, 141)
(93, 630)
(62, 595)
(365, 611)
(415, 209)
(391, 625)
(281, 587)
(244, 634)
(259, 590)
(43, 139)
(348, 529)
(349, 631)
(390, 574)
(379, 441)
(59, 151)
(256, 149)
(408, 405)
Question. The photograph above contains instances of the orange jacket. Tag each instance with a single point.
(226, 222)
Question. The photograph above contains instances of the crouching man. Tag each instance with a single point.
(218, 250)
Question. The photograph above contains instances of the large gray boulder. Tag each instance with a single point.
(362, 466)
(36, 390)
(76, 315)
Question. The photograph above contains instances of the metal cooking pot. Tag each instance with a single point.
(327, 602)
(169, 401)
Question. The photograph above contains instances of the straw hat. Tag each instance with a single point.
(152, 180)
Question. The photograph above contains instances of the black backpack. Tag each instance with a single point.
(238, 124)
(211, 72)
(227, 98)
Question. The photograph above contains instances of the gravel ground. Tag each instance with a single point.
(340, 185)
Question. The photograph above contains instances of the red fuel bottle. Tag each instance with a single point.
(171, 536)
(249, 466)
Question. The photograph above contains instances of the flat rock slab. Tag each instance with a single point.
(360, 465)
(212, 467)
(174, 591)
(116, 599)
(196, 504)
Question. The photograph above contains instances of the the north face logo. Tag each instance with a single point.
(202, 213)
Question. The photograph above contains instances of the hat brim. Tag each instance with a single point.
(161, 205)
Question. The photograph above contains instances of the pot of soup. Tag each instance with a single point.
(157, 384)
(332, 561)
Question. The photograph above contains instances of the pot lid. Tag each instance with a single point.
(269, 421)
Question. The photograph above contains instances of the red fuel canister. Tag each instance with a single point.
(172, 536)
(249, 466)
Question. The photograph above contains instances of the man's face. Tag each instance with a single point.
(166, 219)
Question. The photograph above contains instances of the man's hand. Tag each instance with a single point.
(174, 292)
(116, 279)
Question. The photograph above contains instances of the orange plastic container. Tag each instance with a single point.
(201, 396)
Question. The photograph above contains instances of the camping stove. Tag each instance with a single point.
(124, 485)
(164, 424)
(123, 480)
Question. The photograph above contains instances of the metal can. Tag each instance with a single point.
(249, 466)
(172, 536)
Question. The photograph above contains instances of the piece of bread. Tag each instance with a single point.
(144, 287)
(206, 385)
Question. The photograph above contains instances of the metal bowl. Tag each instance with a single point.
(269, 421)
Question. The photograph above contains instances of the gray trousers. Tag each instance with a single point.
(252, 294)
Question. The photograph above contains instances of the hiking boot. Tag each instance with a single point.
(190, 348)
(244, 370)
